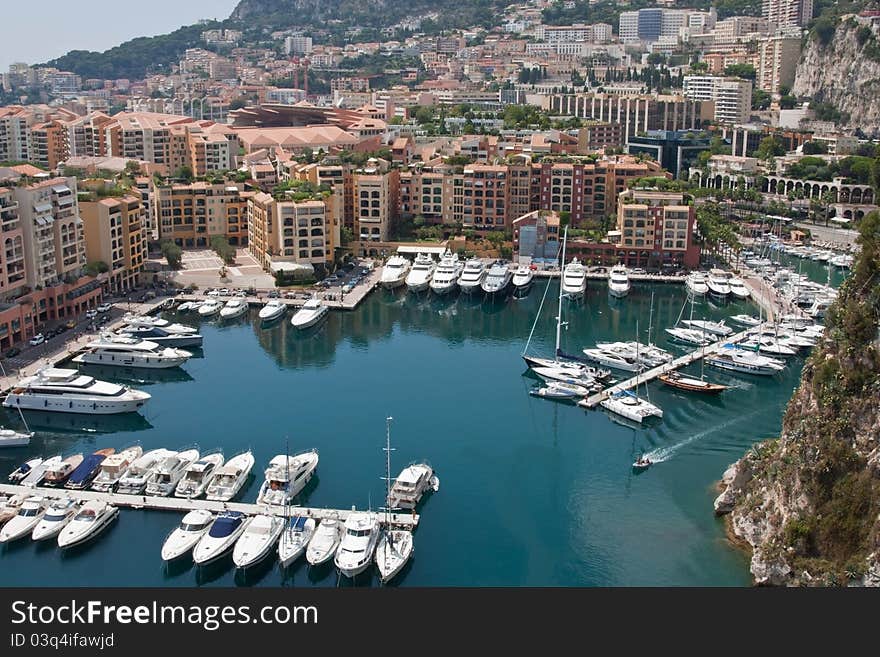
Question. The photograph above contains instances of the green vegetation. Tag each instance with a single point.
(221, 246)
(96, 267)
(300, 190)
(855, 168)
(714, 228)
(173, 253)
(745, 71)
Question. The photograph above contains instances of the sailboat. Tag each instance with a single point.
(395, 545)
(628, 404)
(572, 366)
(681, 381)
(11, 438)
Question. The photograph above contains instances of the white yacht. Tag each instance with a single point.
(472, 275)
(92, 519)
(445, 278)
(169, 471)
(114, 467)
(235, 307)
(10, 438)
(413, 481)
(134, 481)
(394, 549)
(395, 272)
(419, 277)
(696, 284)
(522, 279)
(615, 360)
(22, 471)
(649, 355)
(273, 309)
(36, 474)
(358, 544)
(735, 359)
(690, 336)
(189, 306)
(56, 517)
(843, 261)
(9, 506)
(298, 531)
(565, 375)
(29, 514)
(325, 541)
(229, 478)
(497, 279)
(574, 279)
(286, 476)
(769, 345)
(628, 405)
(198, 475)
(129, 351)
(146, 321)
(738, 288)
(220, 538)
(718, 283)
(715, 328)
(68, 391)
(560, 390)
(618, 281)
(162, 336)
(257, 540)
(210, 308)
(745, 320)
(310, 314)
(184, 537)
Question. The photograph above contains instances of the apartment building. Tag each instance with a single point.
(87, 135)
(115, 235)
(778, 56)
(737, 30)
(191, 214)
(732, 97)
(375, 203)
(12, 264)
(656, 229)
(787, 12)
(597, 135)
(49, 144)
(15, 135)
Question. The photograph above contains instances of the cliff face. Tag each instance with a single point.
(845, 72)
(808, 504)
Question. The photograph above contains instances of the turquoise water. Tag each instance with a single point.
(533, 492)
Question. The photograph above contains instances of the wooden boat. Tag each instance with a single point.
(692, 384)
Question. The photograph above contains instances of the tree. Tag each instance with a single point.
(223, 248)
(96, 267)
(745, 71)
(184, 173)
(769, 147)
(760, 99)
(173, 253)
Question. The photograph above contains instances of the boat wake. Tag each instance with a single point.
(662, 454)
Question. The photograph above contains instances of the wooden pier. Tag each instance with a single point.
(649, 375)
(183, 505)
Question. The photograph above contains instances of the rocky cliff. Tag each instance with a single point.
(808, 504)
(842, 67)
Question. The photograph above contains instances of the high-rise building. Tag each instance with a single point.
(191, 214)
(114, 235)
(375, 203)
(298, 45)
(655, 223)
(778, 56)
(787, 12)
(732, 96)
(15, 135)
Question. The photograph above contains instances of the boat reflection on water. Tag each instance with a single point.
(80, 423)
(137, 375)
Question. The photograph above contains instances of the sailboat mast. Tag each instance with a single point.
(650, 320)
(388, 477)
(561, 278)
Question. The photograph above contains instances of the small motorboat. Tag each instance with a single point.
(273, 309)
(257, 540)
(286, 476)
(38, 472)
(10, 438)
(745, 320)
(229, 478)
(294, 539)
(82, 477)
(198, 475)
(22, 471)
(642, 463)
(310, 314)
(59, 513)
(210, 308)
(9, 506)
(57, 476)
(135, 478)
(235, 307)
(522, 279)
(184, 537)
(691, 384)
(114, 467)
(325, 541)
(560, 390)
(220, 538)
(29, 514)
(93, 518)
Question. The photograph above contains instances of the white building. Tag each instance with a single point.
(732, 96)
(787, 12)
(298, 45)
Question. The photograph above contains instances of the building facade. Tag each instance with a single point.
(115, 235)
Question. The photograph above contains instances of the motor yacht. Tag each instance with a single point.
(718, 283)
(273, 309)
(445, 278)
(690, 336)
(129, 351)
(745, 320)
(257, 540)
(37, 473)
(68, 391)
(84, 474)
(394, 549)
(162, 336)
(57, 476)
(614, 360)
(9, 506)
(735, 359)
(10, 438)
(169, 471)
(649, 355)
(618, 282)
(189, 306)
(522, 279)
(738, 288)
(220, 537)
(325, 541)
(696, 284)
(413, 481)
(472, 276)
(769, 345)
(419, 277)
(560, 390)
(574, 279)
(210, 308)
(235, 307)
(286, 476)
(843, 261)
(184, 537)
(564, 375)
(395, 272)
(92, 519)
(297, 533)
(358, 543)
(57, 515)
(145, 321)
(198, 475)
(715, 328)
(310, 314)
(22, 471)
(22, 523)
(114, 467)
(628, 405)
(497, 279)
(230, 477)
(134, 480)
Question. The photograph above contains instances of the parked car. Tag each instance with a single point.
(274, 294)
(213, 293)
(70, 323)
(60, 329)
(638, 271)
(39, 338)
(91, 314)
(104, 308)
(12, 352)
(224, 292)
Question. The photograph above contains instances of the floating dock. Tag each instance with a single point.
(183, 505)
(649, 375)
